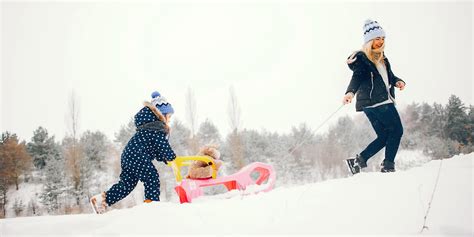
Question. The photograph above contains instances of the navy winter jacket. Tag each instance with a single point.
(147, 144)
(367, 83)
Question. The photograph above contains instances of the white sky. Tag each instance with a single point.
(285, 59)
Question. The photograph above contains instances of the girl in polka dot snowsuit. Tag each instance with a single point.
(149, 142)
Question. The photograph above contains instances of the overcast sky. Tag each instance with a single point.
(285, 59)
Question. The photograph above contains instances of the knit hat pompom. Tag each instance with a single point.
(372, 30)
(161, 103)
(155, 94)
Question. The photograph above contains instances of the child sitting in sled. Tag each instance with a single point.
(202, 170)
(148, 143)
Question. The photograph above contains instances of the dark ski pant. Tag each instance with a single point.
(143, 171)
(387, 125)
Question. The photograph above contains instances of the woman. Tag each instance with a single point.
(373, 82)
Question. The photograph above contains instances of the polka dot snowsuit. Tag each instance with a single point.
(136, 160)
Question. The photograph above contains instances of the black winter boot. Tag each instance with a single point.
(352, 166)
(356, 164)
(361, 161)
(387, 166)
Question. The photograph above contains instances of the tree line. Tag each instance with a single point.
(66, 173)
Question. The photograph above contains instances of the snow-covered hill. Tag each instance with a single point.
(368, 203)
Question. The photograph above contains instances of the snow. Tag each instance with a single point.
(369, 203)
(27, 192)
(411, 158)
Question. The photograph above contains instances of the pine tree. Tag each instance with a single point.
(54, 184)
(179, 138)
(5, 180)
(470, 126)
(208, 134)
(343, 134)
(426, 118)
(42, 147)
(301, 137)
(438, 121)
(50, 161)
(254, 145)
(411, 116)
(94, 145)
(125, 133)
(457, 121)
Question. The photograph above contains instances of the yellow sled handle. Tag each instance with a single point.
(180, 161)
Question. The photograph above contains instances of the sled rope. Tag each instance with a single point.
(314, 131)
(303, 141)
(432, 196)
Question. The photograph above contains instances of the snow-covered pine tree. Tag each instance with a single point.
(41, 147)
(125, 133)
(457, 121)
(94, 145)
(208, 134)
(95, 148)
(438, 121)
(54, 184)
(5, 180)
(300, 160)
(179, 137)
(254, 145)
(470, 127)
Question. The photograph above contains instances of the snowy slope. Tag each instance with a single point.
(368, 203)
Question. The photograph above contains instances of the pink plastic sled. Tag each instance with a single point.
(253, 174)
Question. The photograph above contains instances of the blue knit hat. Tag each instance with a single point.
(161, 103)
(372, 30)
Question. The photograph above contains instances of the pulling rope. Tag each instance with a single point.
(303, 141)
(314, 132)
(242, 193)
(431, 200)
(300, 144)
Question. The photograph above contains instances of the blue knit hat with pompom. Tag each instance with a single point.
(161, 103)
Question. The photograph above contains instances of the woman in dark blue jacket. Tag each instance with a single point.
(373, 83)
(149, 142)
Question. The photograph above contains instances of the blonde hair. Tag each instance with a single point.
(374, 55)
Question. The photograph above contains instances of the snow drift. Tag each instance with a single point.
(368, 203)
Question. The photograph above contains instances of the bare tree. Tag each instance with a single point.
(71, 144)
(191, 117)
(73, 115)
(234, 111)
(235, 138)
